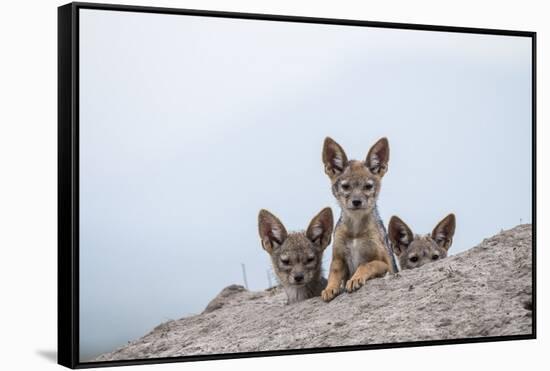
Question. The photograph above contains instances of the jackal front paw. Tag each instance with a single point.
(354, 284)
(330, 293)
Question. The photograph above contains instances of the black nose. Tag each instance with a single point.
(356, 203)
(299, 277)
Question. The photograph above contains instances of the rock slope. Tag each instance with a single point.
(484, 291)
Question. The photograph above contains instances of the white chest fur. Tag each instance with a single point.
(353, 256)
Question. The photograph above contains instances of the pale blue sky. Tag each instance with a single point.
(190, 125)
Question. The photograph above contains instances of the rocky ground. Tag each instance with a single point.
(484, 291)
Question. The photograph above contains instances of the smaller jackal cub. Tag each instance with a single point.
(297, 256)
(415, 250)
(361, 249)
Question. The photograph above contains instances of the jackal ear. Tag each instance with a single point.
(444, 231)
(378, 157)
(400, 235)
(334, 158)
(272, 231)
(320, 229)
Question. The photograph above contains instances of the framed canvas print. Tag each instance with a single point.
(243, 185)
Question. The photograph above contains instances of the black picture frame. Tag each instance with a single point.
(68, 179)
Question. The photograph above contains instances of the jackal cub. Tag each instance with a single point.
(297, 256)
(360, 250)
(415, 250)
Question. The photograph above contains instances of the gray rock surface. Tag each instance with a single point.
(484, 291)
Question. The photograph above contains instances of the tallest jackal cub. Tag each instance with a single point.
(360, 250)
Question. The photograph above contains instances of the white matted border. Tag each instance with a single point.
(28, 145)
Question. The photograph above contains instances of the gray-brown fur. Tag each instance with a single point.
(297, 256)
(415, 250)
(360, 250)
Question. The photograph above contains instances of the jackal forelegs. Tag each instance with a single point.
(365, 272)
(338, 272)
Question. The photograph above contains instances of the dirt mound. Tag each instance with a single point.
(484, 291)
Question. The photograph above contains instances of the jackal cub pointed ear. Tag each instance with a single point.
(272, 232)
(444, 231)
(334, 158)
(400, 235)
(378, 157)
(320, 229)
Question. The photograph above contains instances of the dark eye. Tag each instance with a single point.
(345, 187)
(310, 259)
(368, 186)
(414, 259)
(435, 257)
(285, 261)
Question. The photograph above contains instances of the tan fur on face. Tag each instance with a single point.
(297, 256)
(415, 250)
(356, 183)
(359, 251)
